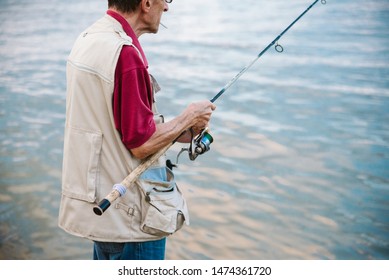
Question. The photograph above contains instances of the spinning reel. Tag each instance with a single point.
(198, 146)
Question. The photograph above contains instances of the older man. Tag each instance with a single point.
(112, 125)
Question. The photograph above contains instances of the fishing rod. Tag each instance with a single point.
(202, 142)
(199, 144)
(278, 48)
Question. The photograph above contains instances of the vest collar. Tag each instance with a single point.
(130, 32)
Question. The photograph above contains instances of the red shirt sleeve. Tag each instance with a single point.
(133, 99)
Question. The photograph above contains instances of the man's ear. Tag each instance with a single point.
(145, 5)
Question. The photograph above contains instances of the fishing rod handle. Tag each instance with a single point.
(106, 202)
(120, 189)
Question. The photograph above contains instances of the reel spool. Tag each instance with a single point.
(199, 145)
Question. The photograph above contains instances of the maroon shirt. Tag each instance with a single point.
(132, 96)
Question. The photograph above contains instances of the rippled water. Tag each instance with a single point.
(300, 164)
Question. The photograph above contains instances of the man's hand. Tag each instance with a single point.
(196, 116)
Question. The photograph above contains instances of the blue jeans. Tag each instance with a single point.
(149, 250)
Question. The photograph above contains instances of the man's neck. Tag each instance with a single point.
(134, 20)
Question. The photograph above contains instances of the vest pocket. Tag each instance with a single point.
(164, 209)
(81, 163)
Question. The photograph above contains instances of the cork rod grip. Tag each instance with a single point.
(120, 189)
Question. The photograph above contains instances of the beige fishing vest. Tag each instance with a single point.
(94, 156)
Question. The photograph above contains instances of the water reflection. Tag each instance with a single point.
(299, 166)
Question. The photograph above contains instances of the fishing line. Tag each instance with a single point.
(278, 48)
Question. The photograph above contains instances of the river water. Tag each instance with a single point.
(299, 168)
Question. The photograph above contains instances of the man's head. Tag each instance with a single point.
(147, 13)
(124, 6)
